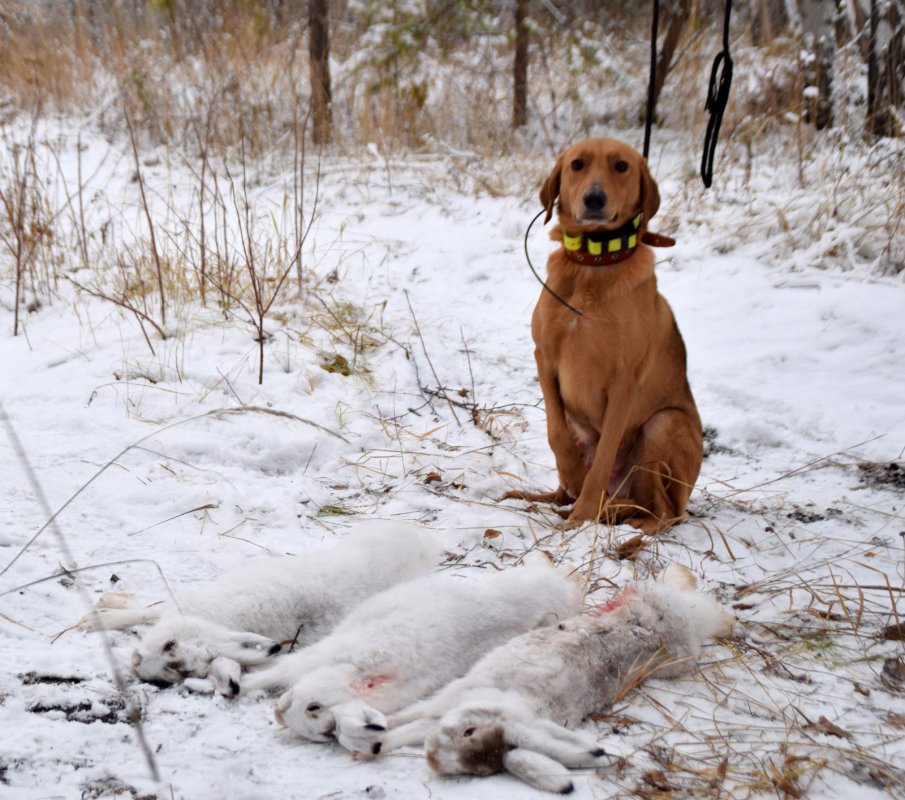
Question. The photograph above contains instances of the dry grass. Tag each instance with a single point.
(238, 71)
(226, 82)
(218, 66)
(798, 698)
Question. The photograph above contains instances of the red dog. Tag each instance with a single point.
(621, 419)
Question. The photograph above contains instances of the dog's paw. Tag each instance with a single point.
(570, 524)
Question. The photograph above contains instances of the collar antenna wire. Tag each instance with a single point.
(540, 280)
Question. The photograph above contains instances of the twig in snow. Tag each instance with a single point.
(215, 413)
(427, 356)
(134, 710)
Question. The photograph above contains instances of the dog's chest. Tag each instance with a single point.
(591, 358)
(591, 351)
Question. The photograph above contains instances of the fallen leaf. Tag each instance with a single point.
(610, 719)
(338, 364)
(823, 725)
(657, 779)
(896, 720)
(332, 511)
(893, 633)
(492, 533)
(827, 615)
(432, 477)
(787, 780)
(893, 674)
(721, 770)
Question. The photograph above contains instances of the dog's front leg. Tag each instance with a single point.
(569, 463)
(591, 500)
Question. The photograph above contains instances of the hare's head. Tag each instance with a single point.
(469, 740)
(185, 647)
(308, 707)
(484, 738)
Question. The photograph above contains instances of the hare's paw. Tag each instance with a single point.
(359, 728)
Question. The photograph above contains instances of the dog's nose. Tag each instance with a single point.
(594, 199)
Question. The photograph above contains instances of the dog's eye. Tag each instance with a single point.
(578, 164)
(314, 708)
(621, 166)
(468, 732)
(169, 647)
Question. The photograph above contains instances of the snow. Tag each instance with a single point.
(795, 360)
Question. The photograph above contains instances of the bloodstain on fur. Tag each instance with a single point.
(616, 602)
(369, 683)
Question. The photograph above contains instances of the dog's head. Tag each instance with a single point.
(601, 184)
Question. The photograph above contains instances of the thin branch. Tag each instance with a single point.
(134, 710)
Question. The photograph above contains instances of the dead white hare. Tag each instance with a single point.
(240, 619)
(406, 643)
(510, 711)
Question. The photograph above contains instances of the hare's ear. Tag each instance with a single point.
(550, 190)
(249, 649)
(650, 194)
(538, 770)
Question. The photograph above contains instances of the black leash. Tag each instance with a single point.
(539, 278)
(717, 98)
(649, 117)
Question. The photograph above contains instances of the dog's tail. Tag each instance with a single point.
(708, 618)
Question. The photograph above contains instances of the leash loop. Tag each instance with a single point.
(717, 99)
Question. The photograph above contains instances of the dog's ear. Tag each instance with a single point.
(550, 190)
(650, 195)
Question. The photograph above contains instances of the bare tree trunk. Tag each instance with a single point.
(319, 65)
(174, 31)
(879, 120)
(817, 19)
(825, 52)
(895, 57)
(768, 20)
(678, 19)
(845, 21)
(520, 66)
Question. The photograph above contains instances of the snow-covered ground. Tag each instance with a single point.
(417, 279)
